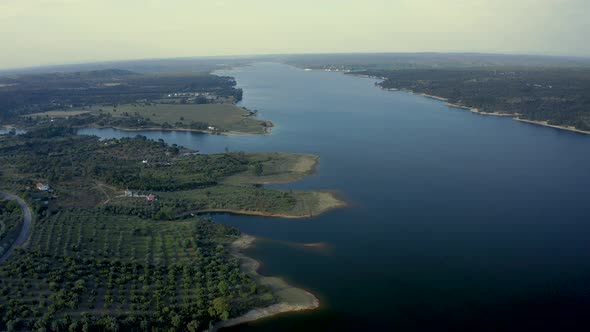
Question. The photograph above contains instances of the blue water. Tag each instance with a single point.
(456, 221)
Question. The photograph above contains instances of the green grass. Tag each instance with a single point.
(275, 168)
(226, 117)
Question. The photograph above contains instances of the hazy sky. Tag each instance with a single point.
(39, 32)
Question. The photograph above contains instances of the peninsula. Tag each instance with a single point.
(117, 239)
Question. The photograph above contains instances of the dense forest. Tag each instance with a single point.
(560, 96)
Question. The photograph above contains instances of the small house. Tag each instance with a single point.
(43, 186)
(151, 197)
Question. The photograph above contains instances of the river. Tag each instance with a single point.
(456, 221)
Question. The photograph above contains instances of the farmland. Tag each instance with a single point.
(87, 269)
(218, 118)
(224, 117)
(101, 256)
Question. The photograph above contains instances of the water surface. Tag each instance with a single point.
(457, 221)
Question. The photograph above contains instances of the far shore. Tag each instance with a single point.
(291, 299)
(514, 116)
(546, 124)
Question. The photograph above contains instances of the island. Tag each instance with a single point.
(119, 240)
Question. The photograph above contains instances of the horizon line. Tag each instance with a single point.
(246, 56)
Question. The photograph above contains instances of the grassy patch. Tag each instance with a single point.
(275, 168)
(58, 114)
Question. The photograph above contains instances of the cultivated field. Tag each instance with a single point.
(90, 263)
(226, 117)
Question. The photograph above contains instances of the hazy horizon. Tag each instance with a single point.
(55, 32)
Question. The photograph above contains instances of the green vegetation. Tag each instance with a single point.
(127, 100)
(11, 217)
(543, 89)
(559, 96)
(275, 168)
(102, 256)
(87, 172)
(116, 244)
(90, 269)
(27, 94)
(210, 117)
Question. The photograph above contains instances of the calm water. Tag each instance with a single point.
(457, 221)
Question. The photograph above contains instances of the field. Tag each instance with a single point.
(101, 269)
(58, 114)
(226, 117)
(223, 117)
(276, 168)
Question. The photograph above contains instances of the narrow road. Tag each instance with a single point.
(24, 232)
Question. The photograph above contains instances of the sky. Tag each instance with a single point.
(44, 32)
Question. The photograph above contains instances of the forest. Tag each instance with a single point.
(560, 96)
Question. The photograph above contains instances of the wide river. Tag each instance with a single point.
(456, 221)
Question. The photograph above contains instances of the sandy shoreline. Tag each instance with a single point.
(546, 124)
(290, 298)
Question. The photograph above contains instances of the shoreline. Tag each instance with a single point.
(268, 131)
(252, 213)
(546, 124)
(515, 116)
(291, 299)
(329, 198)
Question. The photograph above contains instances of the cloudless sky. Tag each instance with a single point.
(40, 32)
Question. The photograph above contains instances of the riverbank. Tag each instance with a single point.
(290, 298)
(203, 131)
(546, 124)
(514, 116)
(471, 109)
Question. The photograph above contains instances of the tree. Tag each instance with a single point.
(221, 307)
(258, 169)
(193, 326)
